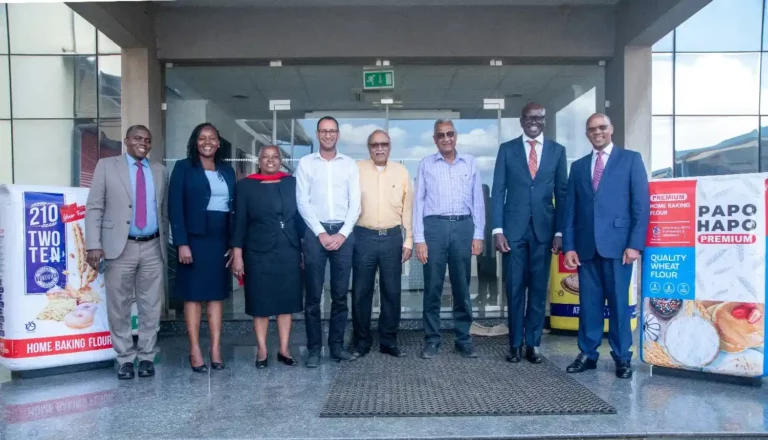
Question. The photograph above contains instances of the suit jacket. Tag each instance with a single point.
(257, 219)
(108, 211)
(517, 198)
(188, 197)
(613, 218)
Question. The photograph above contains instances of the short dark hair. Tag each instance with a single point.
(327, 118)
(192, 152)
(133, 128)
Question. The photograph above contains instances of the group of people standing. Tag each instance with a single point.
(276, 233)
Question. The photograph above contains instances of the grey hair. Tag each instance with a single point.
(442, 121)
(279, 152)
(375, 132)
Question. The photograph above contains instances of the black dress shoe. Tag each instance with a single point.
(126, 371)
(342, 355)
(430, 350)
(623, 370)
(262, 364)
(198, 369)
(581, 364)
(466, 350)
(146, 369)
(291, 362)
(392, 351)
(361, 351)
(533, 355)
(514, 355)
(216, 365)
(313, 359)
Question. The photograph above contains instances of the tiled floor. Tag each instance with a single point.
(284, 402)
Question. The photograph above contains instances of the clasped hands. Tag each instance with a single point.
(422, 254)
(331, 242)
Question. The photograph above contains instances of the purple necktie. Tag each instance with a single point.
(599, 166)
(141, 198)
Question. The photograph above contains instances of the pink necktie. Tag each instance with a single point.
(533, 159)
(141, 198)
(599, 166)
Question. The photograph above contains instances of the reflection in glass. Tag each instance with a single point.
(717, 84)
(107, 46)
(5, 88)
(571, 126)
(60, 147)
(661, 145)
(666, 44)
(49, 28)
(110, 86)
(763, 144)
(6, 165)
(3, 29)
(54, 86)
(662, 84)
(723, 25)
(706, 146)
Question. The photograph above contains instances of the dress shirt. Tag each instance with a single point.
(151, 227)
(219, 200)
(328, 191)
(444, 188)
(539, 149)
(386, 198)
(606, 155)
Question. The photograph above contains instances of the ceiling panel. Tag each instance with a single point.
(338, 3)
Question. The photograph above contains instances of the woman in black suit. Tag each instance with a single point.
(200, 201)
(267, 251)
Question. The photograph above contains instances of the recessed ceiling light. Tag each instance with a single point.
(239, 96)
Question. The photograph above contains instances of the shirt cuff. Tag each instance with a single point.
(318, 230)
(497, 231)
(418, 239)
(408, 243)
(558, 234)
(479, 235)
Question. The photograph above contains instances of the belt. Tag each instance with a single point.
(144, 238)
(452, 218)
(380, 232)
(332, 225)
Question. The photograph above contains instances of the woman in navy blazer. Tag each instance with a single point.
(200, 205)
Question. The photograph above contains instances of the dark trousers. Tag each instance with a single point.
(449, 243)
(602, 279)
(527, 263)
(315, 259)
(383, 252)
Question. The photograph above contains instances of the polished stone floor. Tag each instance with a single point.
(284, 402)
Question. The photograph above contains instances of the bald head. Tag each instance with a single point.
(599, 131)
(533, 119)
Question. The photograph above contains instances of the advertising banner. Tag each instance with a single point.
(704, 275)
(564, 297)
(52, 303)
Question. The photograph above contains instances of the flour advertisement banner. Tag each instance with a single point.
(53, 304)
(704, 275)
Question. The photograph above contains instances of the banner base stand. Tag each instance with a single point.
(711, 377)
(66, 369)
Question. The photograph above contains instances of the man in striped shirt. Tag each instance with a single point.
(448, 226)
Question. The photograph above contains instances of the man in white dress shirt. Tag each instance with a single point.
(328, 194)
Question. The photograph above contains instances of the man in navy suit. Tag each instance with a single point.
(606, 219)
(530, 172)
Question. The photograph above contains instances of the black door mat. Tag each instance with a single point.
(378, 385)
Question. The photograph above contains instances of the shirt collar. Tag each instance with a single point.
(131, 161)
(539, 138)
(606, 151)
(439, 157)
(337, 157)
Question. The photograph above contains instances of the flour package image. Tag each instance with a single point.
(53, 308)
(704, 275)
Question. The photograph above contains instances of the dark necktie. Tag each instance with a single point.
(141, 197)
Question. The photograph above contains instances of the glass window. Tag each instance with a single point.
(5, 88)
(107, 46)
(59, 147)
(109, 86)
(717, 84)
(666, 44)
(49, 28)
(3, 29)
(662, 84)
(6, 166)
(662, 153)
(54, 86)
(764, 85)
(763, 144)
(722, 26)
(571, 123)
(714, 145)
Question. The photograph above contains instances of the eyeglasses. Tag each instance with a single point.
(536, 119)
(328, 132)
(597, 128)
(448, 134)
(377, 145)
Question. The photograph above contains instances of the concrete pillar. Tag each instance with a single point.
(142, 95)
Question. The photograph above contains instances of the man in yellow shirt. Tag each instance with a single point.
(385, 217)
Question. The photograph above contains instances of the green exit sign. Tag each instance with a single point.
(378, 79)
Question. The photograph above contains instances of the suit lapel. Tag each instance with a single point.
(122, 170)
(157, 179)
(546, 158)
(587, 172)
(521, 158)
(613, 161)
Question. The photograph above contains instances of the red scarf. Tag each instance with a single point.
(277, 176)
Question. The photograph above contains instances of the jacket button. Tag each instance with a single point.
(130, 206)
(128, 222)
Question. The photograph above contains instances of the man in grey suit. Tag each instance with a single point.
(530, 172)
(126, 231)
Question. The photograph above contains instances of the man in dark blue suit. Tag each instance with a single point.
(606, 219)
(530, 172)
